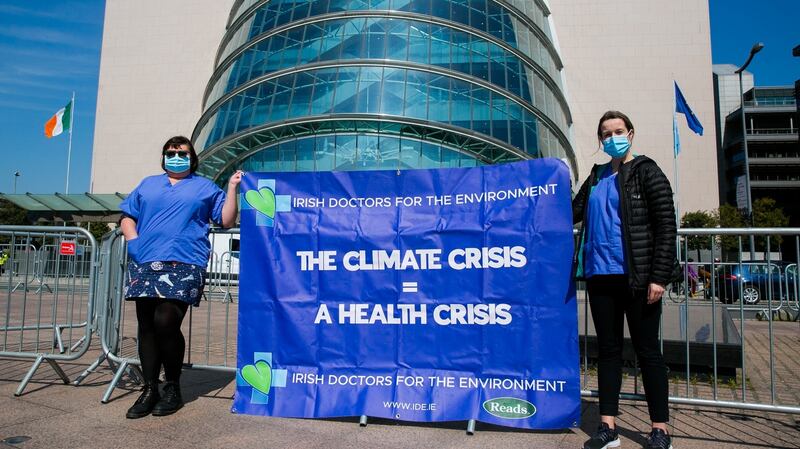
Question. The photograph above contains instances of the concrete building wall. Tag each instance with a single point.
(158, 56)
(625, 55)
(727, 100)
(726, 85)
(156, 59)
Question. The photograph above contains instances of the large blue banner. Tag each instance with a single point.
(420, 295)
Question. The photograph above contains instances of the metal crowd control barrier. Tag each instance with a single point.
(209, 344)
(714, 349)
(718, 355)
(53, 323)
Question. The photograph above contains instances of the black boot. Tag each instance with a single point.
(144, 405)
(171, 401)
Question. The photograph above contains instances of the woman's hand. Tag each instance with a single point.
(236, 178)
(654, 293)
(231, 207)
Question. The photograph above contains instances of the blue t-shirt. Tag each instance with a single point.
(603, 250)
(172, 220)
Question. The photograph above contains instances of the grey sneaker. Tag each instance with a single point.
(604, 437)
(658, 439)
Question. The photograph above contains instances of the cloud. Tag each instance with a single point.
(49, 36)
(21, 84)
(26, 106)
(76, 12)
(40, 54)
(49, 71)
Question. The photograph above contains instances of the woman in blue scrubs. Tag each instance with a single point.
(166, 223)
(627, 255)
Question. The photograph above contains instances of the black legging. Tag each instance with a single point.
(160, 338)
(611, 299)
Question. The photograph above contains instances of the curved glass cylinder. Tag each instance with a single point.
(392, 39)
(489, 16)
(355, 151)
(383, 84)
(382, 91)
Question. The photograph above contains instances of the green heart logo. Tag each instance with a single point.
(258, 376)
(262, 200)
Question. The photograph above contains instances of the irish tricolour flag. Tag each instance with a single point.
(59, 122)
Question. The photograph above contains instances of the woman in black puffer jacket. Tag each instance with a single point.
(627, 256)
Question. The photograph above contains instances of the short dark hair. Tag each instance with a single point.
(176, 142)
(610, 115)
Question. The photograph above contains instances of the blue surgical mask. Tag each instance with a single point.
(617, 146)
(177, 164)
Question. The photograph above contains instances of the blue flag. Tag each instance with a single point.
(682, 107)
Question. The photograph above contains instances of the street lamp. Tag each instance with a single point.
(756, 48)
(17, 174)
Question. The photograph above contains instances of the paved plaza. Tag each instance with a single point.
(50, 414)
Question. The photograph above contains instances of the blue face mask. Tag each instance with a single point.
(177, 164)
(616, 146)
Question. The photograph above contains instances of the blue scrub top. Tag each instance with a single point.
(603, 250)
(173, 220)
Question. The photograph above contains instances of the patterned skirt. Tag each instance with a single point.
(169, 280)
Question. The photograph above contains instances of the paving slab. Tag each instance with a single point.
(54, 415)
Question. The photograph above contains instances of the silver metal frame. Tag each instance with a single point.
(81, 346)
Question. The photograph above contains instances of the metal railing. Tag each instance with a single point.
(771, 101)
(719, 355)
(767, 131)
(209, 344)
(718, 339)
(54, 322)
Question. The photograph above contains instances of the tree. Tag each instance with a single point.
(729, 217)
(699, 219)
(98, 229)
(11, 214)
(767, 215)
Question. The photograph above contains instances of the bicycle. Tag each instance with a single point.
(678, 293)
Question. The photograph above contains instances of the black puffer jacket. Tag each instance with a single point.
(647, 214)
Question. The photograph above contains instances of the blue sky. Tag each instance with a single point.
(50, 48)
(47, 50)
(738, 24)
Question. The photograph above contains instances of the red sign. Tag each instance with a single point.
(67, 248)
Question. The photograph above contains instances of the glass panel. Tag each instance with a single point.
(323, 91)
(345, 152)
(287, 156)
(439, 99)
(416, 95)
(305, 154)
(302, 95)
(390, 152)
(345, 95)
(368, 157)
(409, 153)
(429, 157)
(418, 42)
(375, 43)
(280, 102)
(450, 158)
(369, 90)
(326, 150)
(393, 91)
(481, 114)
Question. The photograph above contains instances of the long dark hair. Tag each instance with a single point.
(610, 115)
(176, 142)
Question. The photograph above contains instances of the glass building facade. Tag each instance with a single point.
(383, 84)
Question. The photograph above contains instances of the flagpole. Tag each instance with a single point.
(675, 146)
(69, 149)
